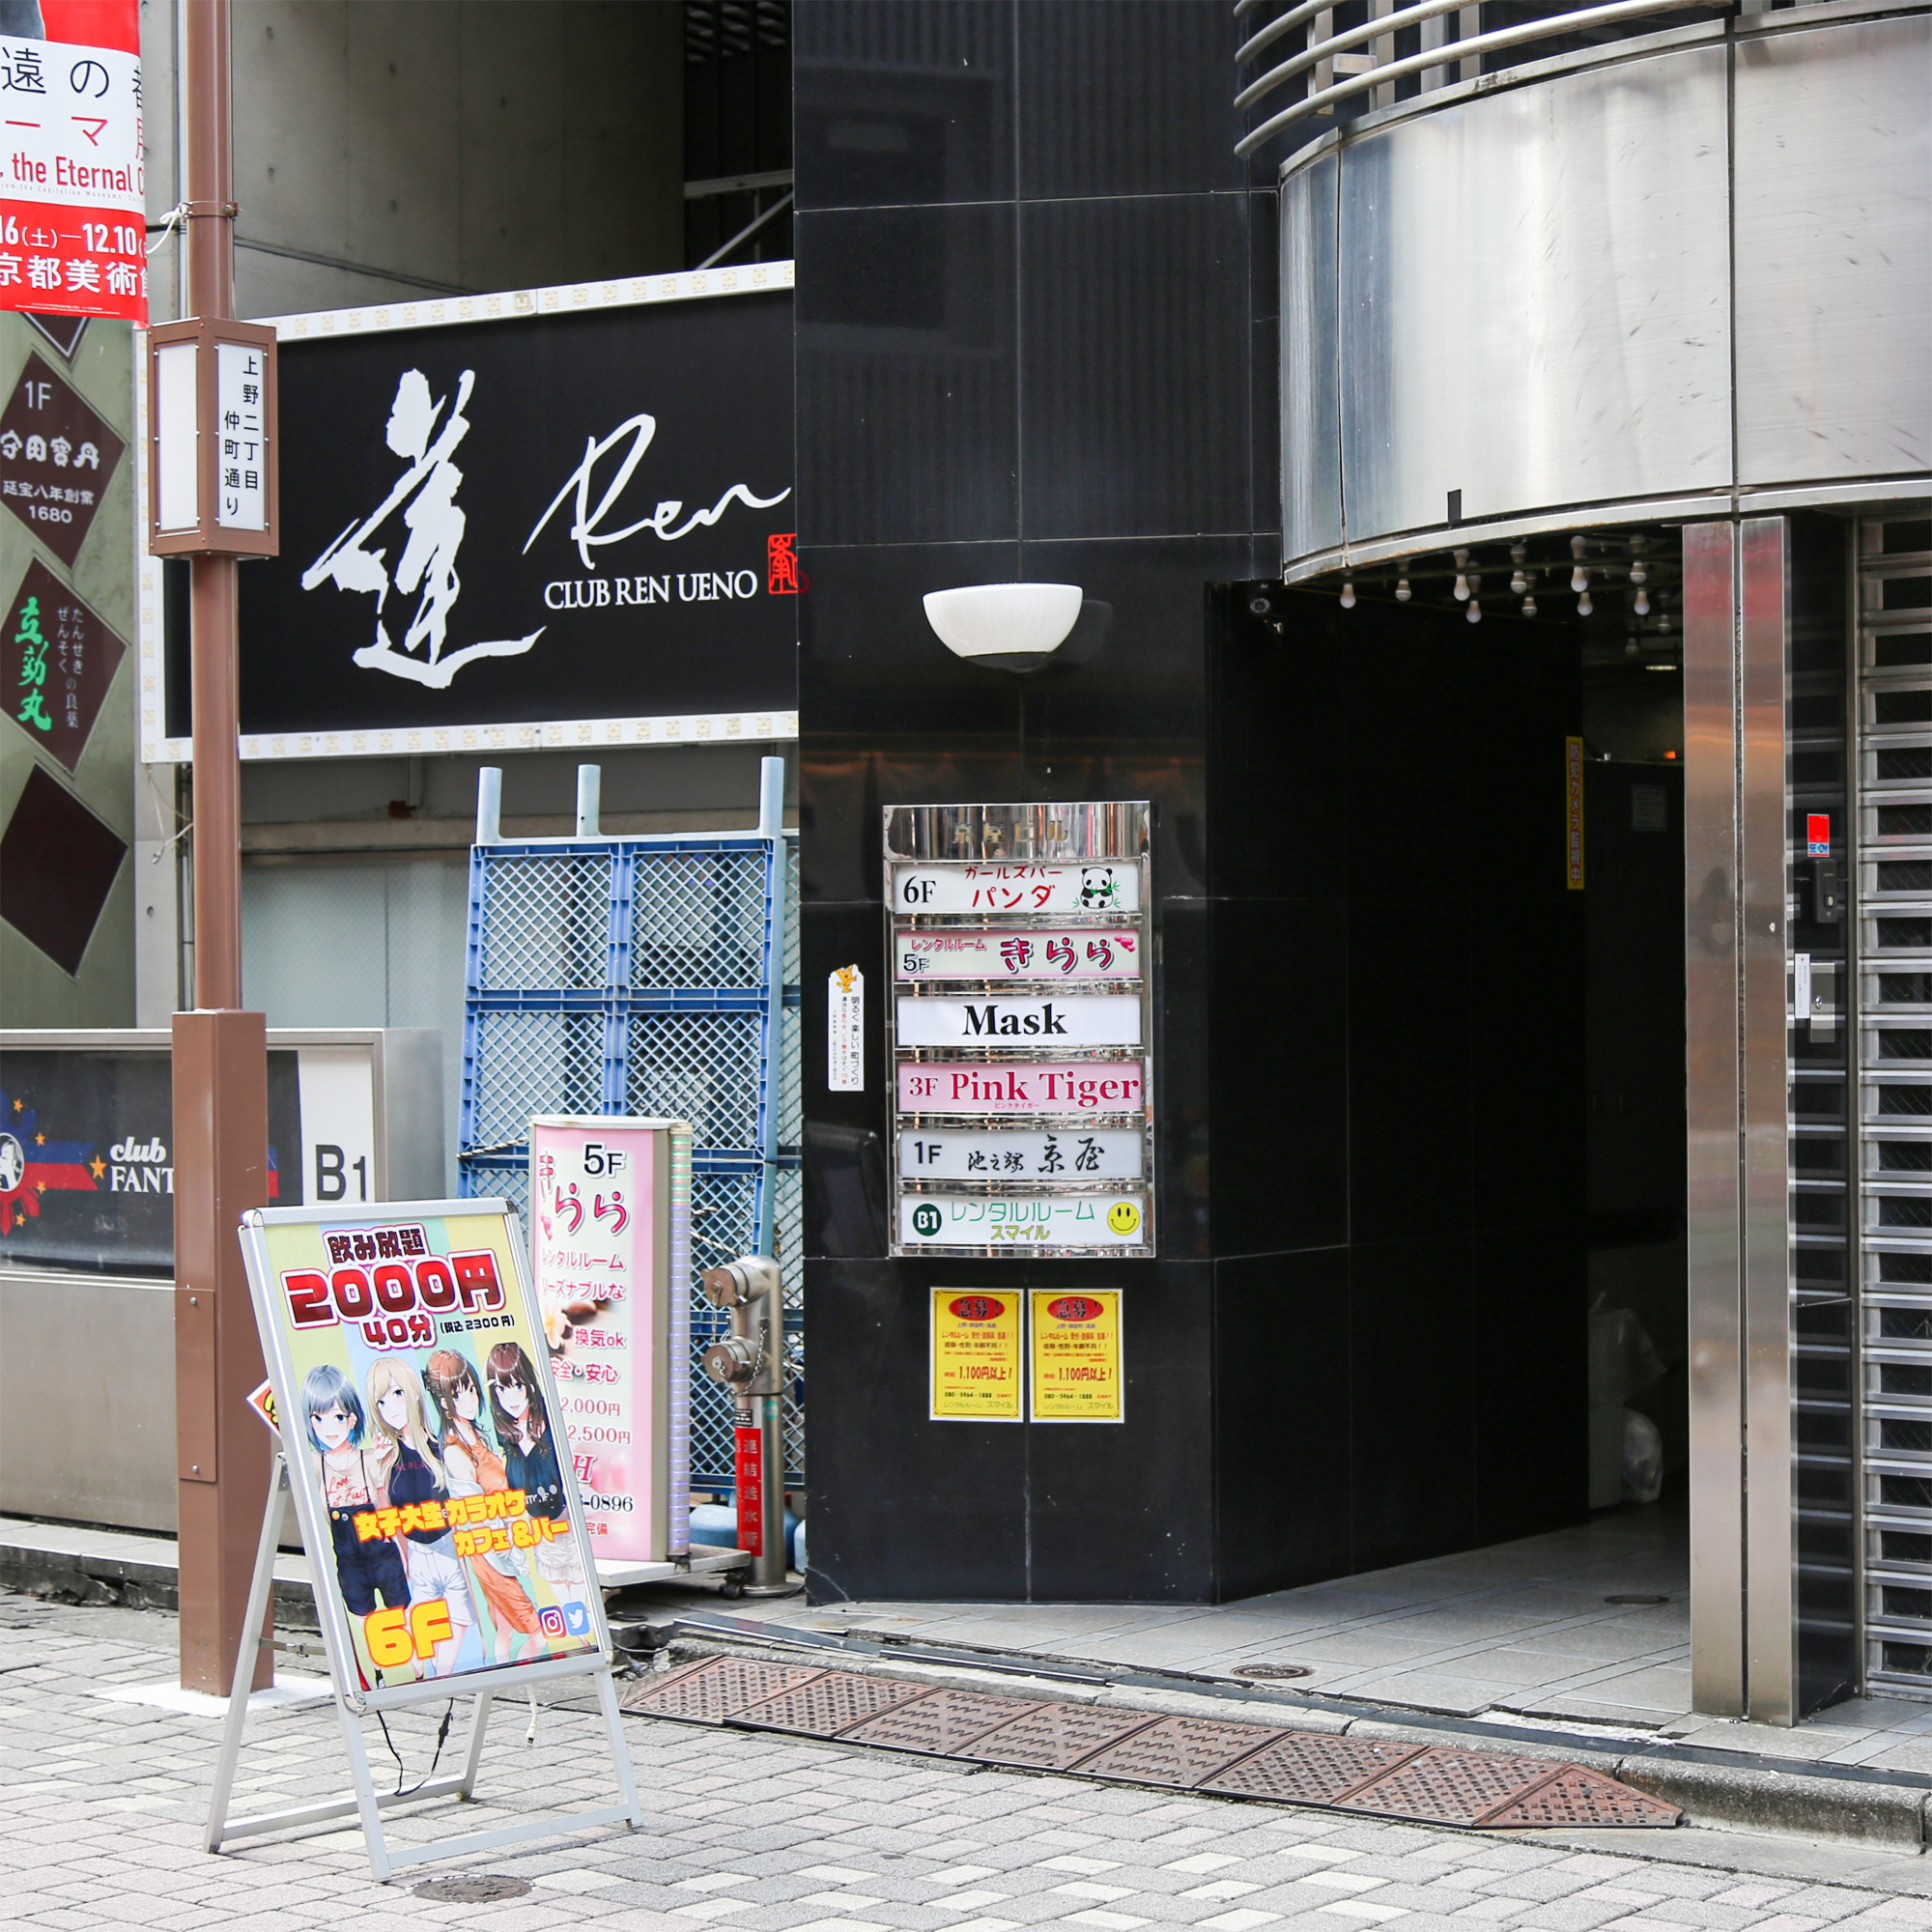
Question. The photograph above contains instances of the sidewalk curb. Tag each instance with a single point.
(99, 1581)
(1846, 1804)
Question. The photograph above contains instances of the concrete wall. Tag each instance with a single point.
(473, 144)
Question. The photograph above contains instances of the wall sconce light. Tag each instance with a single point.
(1005, 626)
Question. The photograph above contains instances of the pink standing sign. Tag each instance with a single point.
(599, 1225)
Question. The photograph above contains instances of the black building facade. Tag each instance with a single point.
(1038, 340)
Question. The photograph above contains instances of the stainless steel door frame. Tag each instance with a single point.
(1714, 1102)
(1743, 1568)
(1771, 1554)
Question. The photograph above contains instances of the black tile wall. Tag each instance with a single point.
(1135, 385)
(902, 104)
(1036, 301)
(908, 428)
(1126, 97)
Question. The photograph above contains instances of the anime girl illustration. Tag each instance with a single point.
(471, 1467)
(414, 1474)
(529, 1455)
(333, 1418)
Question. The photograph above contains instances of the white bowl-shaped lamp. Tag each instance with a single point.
(1005, 626)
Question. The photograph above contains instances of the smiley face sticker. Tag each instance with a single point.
(1123, 1217)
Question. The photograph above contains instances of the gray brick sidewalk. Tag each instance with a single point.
(767, 1833)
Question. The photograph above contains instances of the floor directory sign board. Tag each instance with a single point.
(1021, 1022)
(432, 1478)
(605, 1200)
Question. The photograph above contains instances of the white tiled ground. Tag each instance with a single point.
(103, 1800)
(1519, 1628)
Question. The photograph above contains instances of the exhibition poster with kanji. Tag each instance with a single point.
(73, 220)
(424, 1439)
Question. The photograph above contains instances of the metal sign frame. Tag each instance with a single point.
(953, 837)
(352, 1700)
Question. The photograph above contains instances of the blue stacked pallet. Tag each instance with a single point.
(639, 975)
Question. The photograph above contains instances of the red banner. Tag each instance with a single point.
(749, 1469)
(72, 187)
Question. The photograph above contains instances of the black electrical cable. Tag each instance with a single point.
(441, 1734)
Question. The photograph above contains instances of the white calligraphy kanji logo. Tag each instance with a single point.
(426, 494)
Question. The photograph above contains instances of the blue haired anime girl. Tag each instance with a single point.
(332, 1415)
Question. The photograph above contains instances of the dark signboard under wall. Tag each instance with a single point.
(563, 515)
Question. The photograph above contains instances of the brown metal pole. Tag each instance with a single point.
(220, 1054)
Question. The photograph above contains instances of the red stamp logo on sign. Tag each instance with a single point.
(1074, 1308)
(977, 1307)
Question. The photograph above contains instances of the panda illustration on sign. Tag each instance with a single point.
(1098, 890)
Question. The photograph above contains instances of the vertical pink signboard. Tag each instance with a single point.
(600, 1223)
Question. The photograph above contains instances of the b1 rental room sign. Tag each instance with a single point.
(73, 220)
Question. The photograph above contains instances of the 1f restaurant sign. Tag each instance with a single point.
(553, 516)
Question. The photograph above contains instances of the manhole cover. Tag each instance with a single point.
(1637, 1600)
(1273, 1670)
(478, 1890)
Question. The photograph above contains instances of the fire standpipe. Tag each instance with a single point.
(750, 1361)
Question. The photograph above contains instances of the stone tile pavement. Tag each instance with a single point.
(104, 1798)
(1523, 1628)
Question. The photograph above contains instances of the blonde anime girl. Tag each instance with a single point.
(415, 1475)
(473, 1468)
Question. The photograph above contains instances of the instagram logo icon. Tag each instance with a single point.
(550, 1620)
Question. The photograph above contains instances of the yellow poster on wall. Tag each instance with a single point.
(1076, 1355)
(976, 1355)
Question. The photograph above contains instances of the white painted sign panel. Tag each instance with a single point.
(1067, 952)
(1098, 886)
(1093, 1019)
(1014, 1153)
(1021, 1221)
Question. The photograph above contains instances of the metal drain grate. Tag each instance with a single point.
(1357, 1774)
(1449, 1787)
(716, 1688)
(827, 1704)
(1308, 1768)
(1578, 1797)
(940, 1725)
(1178, 1752)
(1056, 1737)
